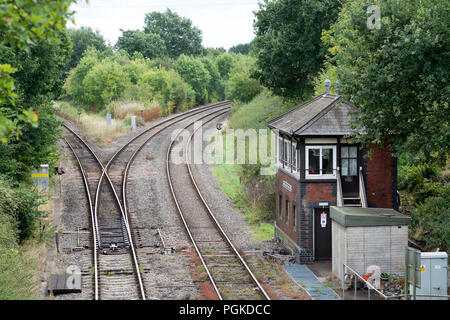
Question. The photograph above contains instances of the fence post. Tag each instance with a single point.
(108, 119)
(355, 287)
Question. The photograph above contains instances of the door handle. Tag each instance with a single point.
(437, 288)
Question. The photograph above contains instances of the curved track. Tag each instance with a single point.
(227, 270)
(117, 271)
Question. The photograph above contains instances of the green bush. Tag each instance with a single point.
(242, 88)
(258, 190)
(411, 177)
(74, 83)
(169, 89)
(225, 63)
(216, 89)
(431, 220)
(104, 83)
(17, 273)
(195, 74)
(257, 112)
(20, 203)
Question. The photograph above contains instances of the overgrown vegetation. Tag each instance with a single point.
(17, 273)
(251, 192)
(396, 73)
(102, 79)
(34, 50)
(425, 191)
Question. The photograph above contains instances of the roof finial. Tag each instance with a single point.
(338, 86)
(327, 86)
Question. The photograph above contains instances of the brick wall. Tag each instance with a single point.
(312, 193)
(380, 177)
(293, 197)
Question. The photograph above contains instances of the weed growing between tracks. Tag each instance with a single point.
(200, 277)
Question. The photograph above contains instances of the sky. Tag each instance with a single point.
(224, 23)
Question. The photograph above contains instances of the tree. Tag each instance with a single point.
(194, 73)
(213, 52)
(225, 64)
(242, 48)
(179, 36)
(242, 88)
(288, 43)
(83, 38)
(37, 80)
(215, 88)
(150, 45)
(39, 70)
(103, 83)
(23, 23)
(398, 74)
(169, 89)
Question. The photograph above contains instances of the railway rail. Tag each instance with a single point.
(117, 271)
(227, 271)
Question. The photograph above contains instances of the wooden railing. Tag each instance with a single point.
(339, 194)
(362, 189)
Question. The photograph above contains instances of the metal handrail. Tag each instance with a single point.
(371, 287)
(368, 284)
(339, 193)
(362, 189)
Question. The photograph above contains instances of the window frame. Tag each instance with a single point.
(280, 207)
(347, 159)
(288, 156)
(294, 214)
(320, 175)
(287, 204)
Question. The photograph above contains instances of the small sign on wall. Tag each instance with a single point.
(323, 219)
(287, 186)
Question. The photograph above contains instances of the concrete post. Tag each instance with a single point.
(108, 119)
(133, 123)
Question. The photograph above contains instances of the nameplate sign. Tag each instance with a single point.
(287, 186)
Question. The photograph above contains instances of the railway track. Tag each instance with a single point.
(117, 272)
(227, 271)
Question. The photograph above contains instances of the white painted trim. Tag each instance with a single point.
(293, 174)
(320, 140)
(320, 175)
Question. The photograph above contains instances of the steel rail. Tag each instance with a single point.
(217, 224)
(212, 216)
(131, 160)
(105, 173)
(94, 232)
(169, 149)
(123, 209)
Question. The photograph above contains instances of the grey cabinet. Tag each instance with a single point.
(433, 275)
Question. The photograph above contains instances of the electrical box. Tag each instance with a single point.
(433, 271)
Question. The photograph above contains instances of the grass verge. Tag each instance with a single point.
(228, 177)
